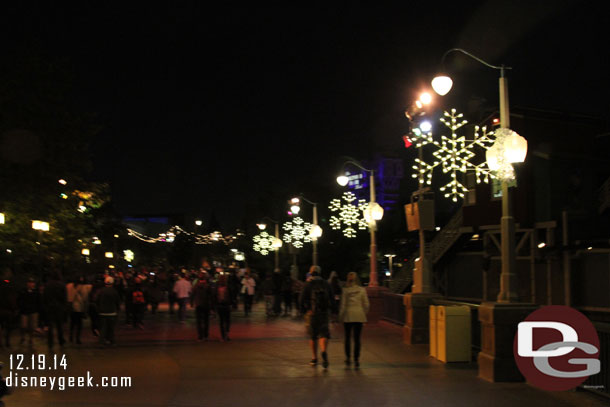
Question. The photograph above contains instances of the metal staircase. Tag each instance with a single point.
(441, 243)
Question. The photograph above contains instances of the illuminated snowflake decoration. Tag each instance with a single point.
(348, 214)
(297, 232)
(263, 243)
(453, 154)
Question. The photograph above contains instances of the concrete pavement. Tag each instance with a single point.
(266, 364)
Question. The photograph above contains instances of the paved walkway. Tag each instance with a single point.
(266, 364)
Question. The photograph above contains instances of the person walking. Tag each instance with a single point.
(29, 307)
(223, 306)
(55, 300)
(182, 289)
(335, 290)
(154, 295)
(268, 288)
(203, 301)
(138, 303)
(353, 309)
(287, 294)
(80, 300)
(248, 289)
(315, 302)
(108, 305)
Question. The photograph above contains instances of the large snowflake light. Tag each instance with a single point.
(263, 243)
(454, 155)
(297, 232)
(348, 214)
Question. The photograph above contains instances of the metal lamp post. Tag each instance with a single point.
(508, 287)
(277, 243)
(375, 213)
(316, 230)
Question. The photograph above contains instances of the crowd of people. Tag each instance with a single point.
(46, 309)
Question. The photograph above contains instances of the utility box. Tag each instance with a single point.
(453, 333)
(420, 215)
(433, 336)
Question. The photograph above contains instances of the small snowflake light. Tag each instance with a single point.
(348, 214)
(454, 155)
(263, 243)
(297, 232)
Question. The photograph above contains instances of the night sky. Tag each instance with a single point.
(203, 107)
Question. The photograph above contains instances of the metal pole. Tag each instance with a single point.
(508, 278)
(567, 272)
(277, 249)
(315, 239)
(373, 282)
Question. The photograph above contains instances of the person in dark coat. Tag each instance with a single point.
(202, 299)
(108, 305)
(8, 307)
(94, 317)
(55, 303)
(29, 302)
(223, 306)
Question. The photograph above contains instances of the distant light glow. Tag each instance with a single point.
(1, 218)
(541, 245)
(425, 98)
(40, 225)
(425, 126)
(198, 222)
(128, 255)
(590, 248)
(62, 181)
(342, 180)
(109, 255)
(85, 252)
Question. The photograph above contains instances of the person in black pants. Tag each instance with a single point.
(55, 303)
(202, 300)
(223, 306)
(353, 308)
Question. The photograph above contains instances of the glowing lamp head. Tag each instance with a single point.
(316, 231)
(295, 209)
(515, 148)
(198, 222)
(62, 181)
(85, 252)
(442, 84)
(261, 226)
(109, 255)
(425, 126)
(425, 98)
(373, 212)
(295, 201)
(342, 180)
(277, 243)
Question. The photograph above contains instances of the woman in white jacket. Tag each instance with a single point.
(353, 309)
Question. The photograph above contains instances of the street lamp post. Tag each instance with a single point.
(277, 243)
(508, 287)
(390, 258)
(375, 213)
(316, 230)
(495, 360)
(40, 226)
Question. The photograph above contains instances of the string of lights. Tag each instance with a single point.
(174, 231)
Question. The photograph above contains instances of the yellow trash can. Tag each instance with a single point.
(453, 333)
(433, 336)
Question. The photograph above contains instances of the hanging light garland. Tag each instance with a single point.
(170, 236)
(297, 232)
(348, 214)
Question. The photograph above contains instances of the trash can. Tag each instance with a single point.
(433, 336)
(453, 333)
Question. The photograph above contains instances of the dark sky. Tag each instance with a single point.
(203, 107)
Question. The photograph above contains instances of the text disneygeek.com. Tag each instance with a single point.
(20, 365)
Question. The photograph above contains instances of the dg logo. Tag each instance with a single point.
(556, 348)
